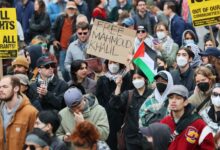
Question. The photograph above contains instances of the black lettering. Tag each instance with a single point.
(4, 15)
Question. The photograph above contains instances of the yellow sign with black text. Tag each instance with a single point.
(8, 33)
(204, 12)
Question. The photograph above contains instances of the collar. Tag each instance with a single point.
(171, 17)
(145, 94)
(186, 73)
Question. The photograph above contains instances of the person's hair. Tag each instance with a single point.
(122, 16)
(121, 66)
(13, 80)
(41, 134)
(141, 1)
(97, 2)
(206, 72)
(161, 24)
(161, 58)
(81, 16)
(208, 37)
(52, 117)
(171, 5)
(85, 135)
(82, 25)
(5, 4)
(42, 6)
(188, 51)
(141, 73)
(75, 66)
(191, 33)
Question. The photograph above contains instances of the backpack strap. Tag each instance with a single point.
(202, 104)
(130, 93)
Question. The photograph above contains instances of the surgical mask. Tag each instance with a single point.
(181, 61)
(188, 42)
(161, 35)
(161, 87)
(215, 100)
(138, 83)
(113, 68)
(203, 86)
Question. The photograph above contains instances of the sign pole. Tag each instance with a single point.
(1, 69)
(212, 36)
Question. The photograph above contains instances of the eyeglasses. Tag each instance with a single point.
(32, 147)
(215, 94)
(49, 65)
(141, 31)
(84, 33)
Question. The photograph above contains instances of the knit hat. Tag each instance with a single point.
(21, 60)
(72, 97)
(23, 78)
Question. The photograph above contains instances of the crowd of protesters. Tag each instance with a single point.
(54, 95)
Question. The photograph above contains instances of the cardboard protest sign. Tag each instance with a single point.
(205, 12)
(8, 33)
(111, 41)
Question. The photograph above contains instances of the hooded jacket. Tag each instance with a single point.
(21, 123)
(94, 113)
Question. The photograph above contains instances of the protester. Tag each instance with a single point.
(105, 87)
(37, 139)
(24, 11)
(211, 113)
(184, 74)
(61, 32)
(80, 108)
(177, 24)
(142, 35)
(28, 91)
(190, 40)
(213, 55)
(144, 17)
(77, 49)
(160, 141)
(156, 103)
(49, 121)
(79, 72)
(40, 21)
(18, 115)
(55, 8)
(99, 12)
(204, 80)
(188, 130)
(117, 10)
(49, 87)
(82, 7)
(131, 104)
(165, 45)
(86, 136)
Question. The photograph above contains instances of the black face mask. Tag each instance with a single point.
(203, 86)
(160, 68)
(161, 87)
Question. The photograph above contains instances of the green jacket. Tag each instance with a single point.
(94, 113)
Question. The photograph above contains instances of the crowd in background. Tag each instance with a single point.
(54, 95)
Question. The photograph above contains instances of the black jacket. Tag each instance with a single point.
(131, 123)
(186, 78)
(39, 25)
(54, 97)
(57, 27)
(57, 144)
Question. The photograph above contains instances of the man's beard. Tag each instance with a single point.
(8, 98)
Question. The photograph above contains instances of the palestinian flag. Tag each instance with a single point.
(145, 59)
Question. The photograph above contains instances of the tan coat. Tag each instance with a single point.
(21, 123)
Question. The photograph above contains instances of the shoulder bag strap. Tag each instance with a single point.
(130, 93)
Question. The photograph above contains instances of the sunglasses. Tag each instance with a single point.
(141, 31)
(49, 65)
(215, 94)
(84, 33)
(31, 147)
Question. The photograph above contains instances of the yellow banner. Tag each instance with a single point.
(205, 12)
(8, 33)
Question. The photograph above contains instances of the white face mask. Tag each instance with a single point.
(215, 101)
(161, 35)
(113, 68)
(181, 61)
(138, 83)
(189, 41)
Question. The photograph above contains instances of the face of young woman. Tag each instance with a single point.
(82, 72)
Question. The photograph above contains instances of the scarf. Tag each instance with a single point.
(113, 77)
(167, 44)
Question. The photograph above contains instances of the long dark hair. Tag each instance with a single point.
(42, 6)
(75, 66)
